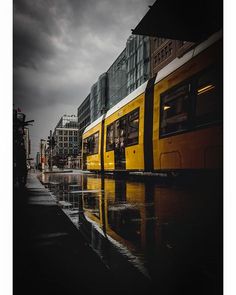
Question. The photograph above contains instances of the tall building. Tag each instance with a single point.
(94, 111)
(117, 80)
(66, 137)
(83, 114)
(102, 94)
(98, 97)
(138, 61)
(128, 72)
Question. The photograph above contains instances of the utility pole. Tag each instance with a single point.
(50, 150)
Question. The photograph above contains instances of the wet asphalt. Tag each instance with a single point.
(49, 254)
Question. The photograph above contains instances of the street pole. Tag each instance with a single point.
(42, 154)
(51, 150)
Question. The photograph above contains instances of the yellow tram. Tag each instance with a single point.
(171, 122)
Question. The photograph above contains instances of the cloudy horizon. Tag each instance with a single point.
(60, 48)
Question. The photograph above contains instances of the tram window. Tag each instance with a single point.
(95, 146)
(120, 133)
(110, 138)
(116, 133)
(122, 129)
(91, 144)
(174, 110)
(133, 128)
(208, 98)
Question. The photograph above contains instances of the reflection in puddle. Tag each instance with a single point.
(169, 235)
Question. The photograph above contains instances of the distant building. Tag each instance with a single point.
(66, 137)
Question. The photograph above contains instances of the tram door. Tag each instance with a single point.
(120, 138)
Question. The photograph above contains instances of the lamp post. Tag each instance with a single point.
(42, 153)
(51, 150)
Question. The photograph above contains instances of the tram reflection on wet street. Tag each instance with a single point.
(168, 235)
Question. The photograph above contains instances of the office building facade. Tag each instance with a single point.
(163, 51)
(137, 61)
(83, 114)
(117, 80)
(66, 137)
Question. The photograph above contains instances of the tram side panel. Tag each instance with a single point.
(187, 116)
(123, 137)
(92, 148)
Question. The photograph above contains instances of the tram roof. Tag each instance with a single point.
(182, 20)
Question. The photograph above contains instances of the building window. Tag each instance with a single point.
(60, 132)
(70, 138)
(65, 132)
(75, 138)
(70, 132)
(75, 133)
(60, 144)
(70, 144)
(110, 137)
(90, 144)
(65, 144)
(60, 138)
(71, 151)
(65, 138)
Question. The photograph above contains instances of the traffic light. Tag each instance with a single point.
(51, 142)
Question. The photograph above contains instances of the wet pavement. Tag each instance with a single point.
(50, 256)
(163, 237)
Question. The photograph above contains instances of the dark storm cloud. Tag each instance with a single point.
(60, 49)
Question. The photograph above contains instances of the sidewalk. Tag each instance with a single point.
(49, 254)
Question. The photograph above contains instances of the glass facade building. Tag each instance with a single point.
(117, 80)
(94, 102)
(128, 72)
(98, 97)
(137, 61)
(83, 114)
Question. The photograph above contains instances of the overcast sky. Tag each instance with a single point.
(60, 49)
